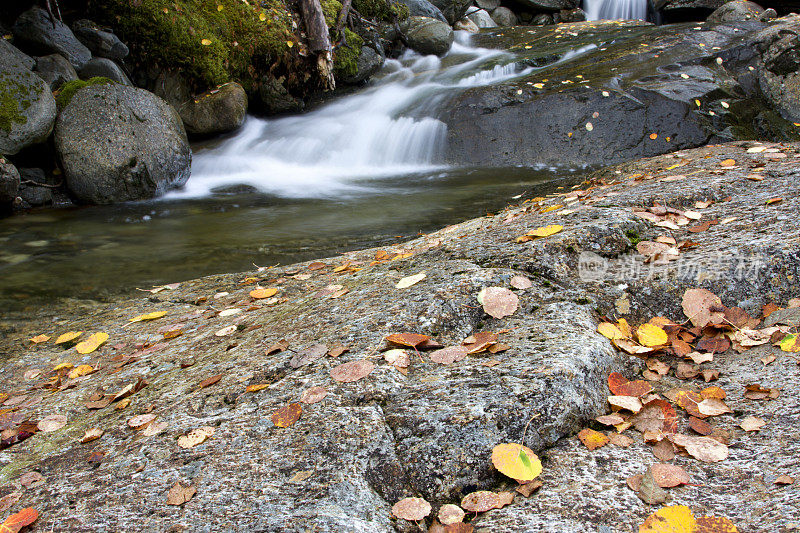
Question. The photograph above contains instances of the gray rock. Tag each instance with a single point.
(488, 5)
(453, 10)
(219, 110)
(769, 14)
(550, 5)
(29, 109)
(35, 30)
(736, 10)
(467, 25)
(12, 54)
(789, 316)
(368, 63)
(32, 194)
(423, 8)
(542, 19)
(274, 98)
(670, 5)
(104, 68)
(9, 182)
(504, 17)
(428, 36)
(572, 15)
(779, 79)
(119, 143)
(481, 19)
(102, 42)
(55, 70)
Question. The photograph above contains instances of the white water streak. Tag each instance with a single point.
(615, 9)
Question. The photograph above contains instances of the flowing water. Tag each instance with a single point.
(615, 9)
(364, 170)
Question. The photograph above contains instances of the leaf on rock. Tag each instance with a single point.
(449, 355)
(255, 387)
(141, 421)
(411, 340)
(546, 231)
(621, 386)
(713, 407)
(702, 307)
(92, 434)
(209, 381)
(154, 429)
(526, 489)
(520, 282)
(610, 331)
(92, 343)
(308, 356)
(450, 514)
(592, 439)
(516, 461)
(80, 370)
(413, 509)
(790, 344)
(196, 437)
(498, 302)
(715, 524)
(17, 521)
(260, 294)
(784, 480)
(667, 475)
(52, 423)
(671, 519)
(149, 316)
(352, 371)
(481, 501)
(411, 280)
(227, 330)
(178, 494)
(631, 403)
(651, 335)
(313, 395)
(68, 337)
(752, 423)
(38, 339)
(286, 416)
(279, 346)
(704, 449)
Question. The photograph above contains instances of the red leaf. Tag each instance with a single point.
(17, 521)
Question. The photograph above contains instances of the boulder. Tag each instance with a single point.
(779, 78)
(118, 143)
(368, 63)
(428, 36)
(101, 67)
(550, 5)
(736, 10)
(32, 194)
(274, 98)
(504, 17)
(102, 42)
(453, 10)
(27, 107)
(55, 70)
(467, 25)
(488, 5)
(36, 31)
(13, 54)
(219, 110)
(481, 19)
(572, 15)
(9, 182)
(542, 19)
(423, 8)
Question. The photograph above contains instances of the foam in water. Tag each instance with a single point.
(615, 9)
(386, 130)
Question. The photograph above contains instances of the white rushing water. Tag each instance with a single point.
(615, 9)
(385, 130)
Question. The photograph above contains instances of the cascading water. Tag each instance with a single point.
(386, 130)
(615, 9)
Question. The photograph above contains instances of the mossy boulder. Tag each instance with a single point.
(27, 107)
(69, 89)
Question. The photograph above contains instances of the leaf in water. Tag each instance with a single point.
(286, 416)
(92, 343)
(516, 461)
(149, 316)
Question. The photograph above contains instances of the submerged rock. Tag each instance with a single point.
(35, 30)
(119, 143)
(428, 36)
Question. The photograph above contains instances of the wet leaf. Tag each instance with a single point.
(52, 423)
(516, 461)
(413, 509)
(196, 437)
(17, 521)
(286, 416)
(498, 302)
(651, 335)
(149, 316)
(68, 337)
(410, 280)
(259, 294)
(92, 343)
(352, 371)
(178, 494)
(592, 439)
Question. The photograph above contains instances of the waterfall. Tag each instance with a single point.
(615, 9)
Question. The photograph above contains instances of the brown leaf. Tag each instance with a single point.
(752, 423)
(411, 340)
(309, 355)
(526, 489)
(178, 494)
(700, 426)
(313, 395)
(784, 480)
(520, 282)
(31, 480)
(667, 475)
(618, 439)
(338, 350)
(412, 509)
(449, 355)
(592, 439)
(480, 341)
(498, 302)
(195, 437)
(279, 346)
(620, 386)
(141, 421)
(209, 381)
(352, 371)
(705, 449)
(52, 423)
(92, 434)
(663, 450)
(17, 521)
(702, 307)
(480, 501)
(286, 416)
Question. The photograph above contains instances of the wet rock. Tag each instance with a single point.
(452, 10)
(572, 15)
(119, 143)
(35, 31)
(675, 5)
(542, 19)
(9, 182)
(55, 70)
(779, 79)
(104, 68)
(481, 18)
(101, 41)
(36, 190)
(12, 54)
(219, 110)
(550, 5)
(28, 107)
(369, 62)
(423, 8)
(466, 24)
(488, 5)
(504, 17)
(428, 36)
(274, 98)
(737, 10)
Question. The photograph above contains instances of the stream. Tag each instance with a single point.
(363, 170)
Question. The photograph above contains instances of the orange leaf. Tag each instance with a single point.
(592, 439)
(727, 163)
(286, 416)
(263, 293)
(17, 521)
(407, 339)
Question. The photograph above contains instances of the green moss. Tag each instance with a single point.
(385, 10)
(69, 89)
(633, 236)
(331, 9)
(345, 63)
(14, 97)
(210, 41)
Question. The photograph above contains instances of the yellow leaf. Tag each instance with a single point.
(623, 326)
(610, 331)
(38, 339)
(263, 293)
(262, 17)
(81, 370)
(61, 366)
(92, 343)
(551, 208)
(546, 231)
(68, 336)
(671, 519)
(220, 7)
(205, 42)
(149, 316)
(516, 461)
(790, 344)
(651, 335)
(727, 163)
(654, 136)
(289, 44)
(257, 387)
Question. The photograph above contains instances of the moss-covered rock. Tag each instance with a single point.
(385, 10)
(69, 89)
(345, 62)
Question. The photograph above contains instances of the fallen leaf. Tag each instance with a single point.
(227, 330)
(449, 355)
(51, 423)
(671, 519)
(526, 489)
(352, 371)
(450, 514)
(408, 281)
(498, 302)
(481, 501)
(260, 294)
(546, 231)
(149, 316)
(92, 343)
(592, 439)
(38, 339)
(196, 437)
(650, 335)
(308, 356)
(713, 407)
(705, 449)
(80, 370)
(629, 403)
(700, 426)
(610, 331)
(17, 521)
(255, 387)
(520, 282)
(516, 461)
(702, 307)
(784, 480)
(209, 381)
(752, 423)
(178, 494)
(205, 42)
(715, 524)
(619, 385)
(92, 434)
(667, 475)
(141, 421)
(286, 416)
(68, 337)
(313, 395)
(279, 346)
(727, 163)
(302, 475)
(31, 480)
(411, 340)
(413, 509)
